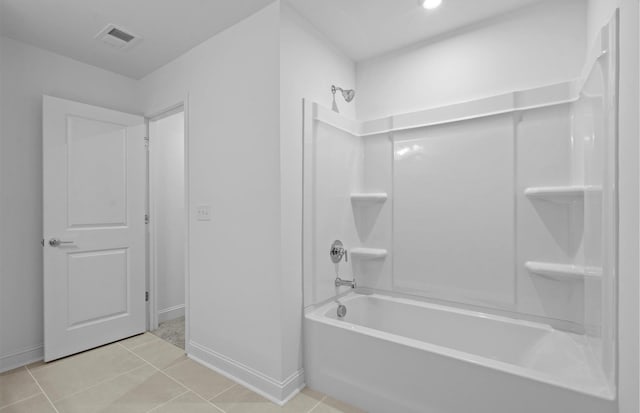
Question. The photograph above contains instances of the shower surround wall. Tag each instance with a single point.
(457, 224)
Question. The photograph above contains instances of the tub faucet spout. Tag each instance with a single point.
(345, 283)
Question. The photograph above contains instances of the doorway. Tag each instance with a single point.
(167, 226)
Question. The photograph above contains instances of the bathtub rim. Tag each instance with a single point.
(317, 313)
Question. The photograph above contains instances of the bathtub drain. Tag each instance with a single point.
(342, 311)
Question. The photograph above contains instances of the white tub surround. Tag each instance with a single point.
(486, 197)
(443, 359)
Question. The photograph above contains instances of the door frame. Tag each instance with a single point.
(152, 275)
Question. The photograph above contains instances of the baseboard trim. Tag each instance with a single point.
(279, 392)
(21, 358)
(171, 313)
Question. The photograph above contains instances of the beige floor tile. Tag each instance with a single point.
(137, 391)
(242, 400)
(138, 340)
(313, 394)
(35, 404)
(160, 353)
(202, 380)
(35, 364)
(72, 374)
(16, 385)
(303, 402)
(187, 403)
(331, 405)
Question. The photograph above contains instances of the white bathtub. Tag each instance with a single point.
(397, 355)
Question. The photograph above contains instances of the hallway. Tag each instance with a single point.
(171, 331)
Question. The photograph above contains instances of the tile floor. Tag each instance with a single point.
(140, 374)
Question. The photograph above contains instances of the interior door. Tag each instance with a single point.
(94, 174)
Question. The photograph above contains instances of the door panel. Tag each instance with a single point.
(98, 286)
(94, 204)
(97, 171)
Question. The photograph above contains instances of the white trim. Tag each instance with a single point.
(517, 101)
(170, 313)
(152, 280)
(187, 227)
(21, 358)
(279, 392)
(628, 224)
(155, 315)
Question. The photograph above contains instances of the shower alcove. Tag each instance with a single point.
(486, 221)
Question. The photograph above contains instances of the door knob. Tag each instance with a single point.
(54, 242)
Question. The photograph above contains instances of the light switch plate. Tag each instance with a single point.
(203, 213)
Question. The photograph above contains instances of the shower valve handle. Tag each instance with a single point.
(338, 251)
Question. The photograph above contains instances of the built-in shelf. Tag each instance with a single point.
(563, 194)
(369, 198)
(515, 101)
(564, 272)
(368, 253)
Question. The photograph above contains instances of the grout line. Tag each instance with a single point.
(99, 383)
(172, 378)
(317, 404)
(225, 390)
(155, 338)
(24, 398)
(42, 390)
(212, 403)
(20, 401)
(169, 401)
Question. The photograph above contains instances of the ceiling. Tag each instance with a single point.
(367, 28)
(169, 28)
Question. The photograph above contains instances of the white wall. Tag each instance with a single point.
(536, 46)
(28, 73)
(235, 284)
(309, 65)
(167, 212)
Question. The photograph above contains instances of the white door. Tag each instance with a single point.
(94, 174)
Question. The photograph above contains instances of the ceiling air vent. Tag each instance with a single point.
(118, 38)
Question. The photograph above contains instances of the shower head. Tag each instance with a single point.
(348, 96)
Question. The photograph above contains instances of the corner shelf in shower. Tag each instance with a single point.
(563, 272)
(368, 253)
(560, 194)
(369, 198)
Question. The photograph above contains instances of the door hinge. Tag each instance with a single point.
(146, 218)
(146, 296)
(42, 242)
(146, 141)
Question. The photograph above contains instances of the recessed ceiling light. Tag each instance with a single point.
(430, 4)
